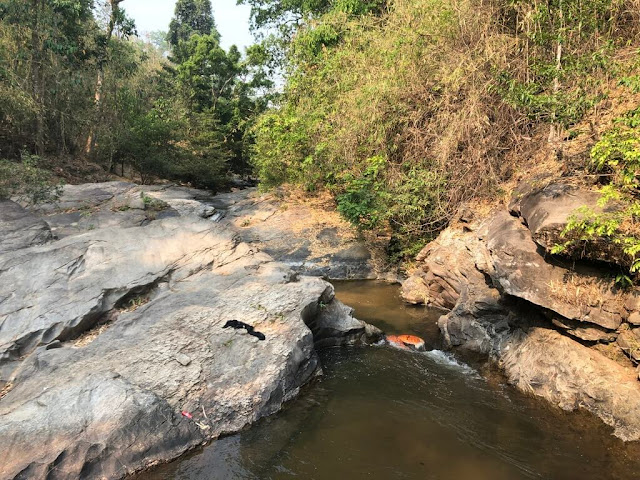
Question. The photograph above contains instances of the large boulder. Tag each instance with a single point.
(445, 267)
(100, 426)
(547, 207)
(57, 291)
(519, 269)
(119, 347)
(511, 302)
(333, 324)
(544, 362)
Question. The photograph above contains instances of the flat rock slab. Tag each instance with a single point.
(20, 228)
(308, 236)
(56, 291)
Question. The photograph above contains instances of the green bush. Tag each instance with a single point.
(617, 156)
(27, 181)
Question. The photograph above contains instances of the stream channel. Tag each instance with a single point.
(383, 413)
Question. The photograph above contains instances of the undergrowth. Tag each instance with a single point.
(616, 156)
(405, 114)
(27, 181)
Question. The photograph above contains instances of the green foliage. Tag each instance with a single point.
(361, 201)
(405, 109)
(540, 104)
(377, 84)
(27, 181)
(617, 155)
(632, 82)
(562, 41)
(75, 82)
(191, 17)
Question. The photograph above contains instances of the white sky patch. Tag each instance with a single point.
(232, 20)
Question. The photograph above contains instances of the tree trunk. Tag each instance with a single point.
(36, 73)
(91, 139)
(554, 131)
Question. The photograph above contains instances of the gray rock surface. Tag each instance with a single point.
(107, 336)
(59, 290)
(544, 362)
(445, 267)
(333, 324)
(20, 228)
(519, 270)
(309, 237)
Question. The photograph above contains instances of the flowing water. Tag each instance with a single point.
(383, 413)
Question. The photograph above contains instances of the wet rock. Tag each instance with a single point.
(572, 376)
(20, 228)
(329, 236)
(333, 324)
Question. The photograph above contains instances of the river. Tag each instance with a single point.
(383, 413)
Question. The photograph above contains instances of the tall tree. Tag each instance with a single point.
(116, 17)
(54, 38)
(191, 17)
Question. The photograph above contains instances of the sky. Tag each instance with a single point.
(232, 20)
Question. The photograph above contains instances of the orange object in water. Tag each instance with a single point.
(412, 341)
(406, 342)
(396, 342)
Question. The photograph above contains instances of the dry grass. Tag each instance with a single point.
(613, 352)
(584, 291)
(90, 335)
(134, 303)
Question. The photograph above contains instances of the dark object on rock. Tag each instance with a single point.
(237, 324)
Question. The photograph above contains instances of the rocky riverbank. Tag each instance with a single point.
(556, 325)
(114, 354)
